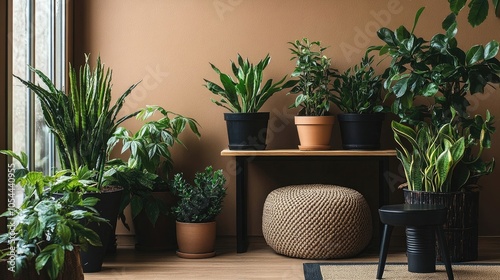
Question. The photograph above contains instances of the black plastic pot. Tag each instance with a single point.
(161, 235)
(361, 131)
(247, 131)
(108, 207)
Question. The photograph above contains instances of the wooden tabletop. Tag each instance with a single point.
(296, 152)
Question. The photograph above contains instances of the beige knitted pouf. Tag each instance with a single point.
(316, 221)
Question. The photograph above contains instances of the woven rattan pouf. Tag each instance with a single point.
(316, 221)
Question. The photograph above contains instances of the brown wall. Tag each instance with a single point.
(169, 44)
(3, 108)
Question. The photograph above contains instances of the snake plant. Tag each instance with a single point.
(83, 118)
(440, 159)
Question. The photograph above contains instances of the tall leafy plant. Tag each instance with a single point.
(83, 118)
(244, 93)
(150, 163)
(314, 71)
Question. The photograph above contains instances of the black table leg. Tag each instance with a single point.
(241, 206)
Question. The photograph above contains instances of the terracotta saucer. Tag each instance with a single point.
(195, 256)
(314, 147)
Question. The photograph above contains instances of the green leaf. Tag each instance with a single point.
(443, 165)
(457, 5)
(475, 54)
(430, 90)
(417, 16)
(491, 50)
(478, 12)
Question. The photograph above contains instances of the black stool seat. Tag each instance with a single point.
(423, 222)
(413, 214)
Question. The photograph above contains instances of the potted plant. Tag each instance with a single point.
(47, 232)
(243, 96)
(82, 119)
(314, 124)
(145, 175)
(442, 72)
(358, 96)
(196, 210)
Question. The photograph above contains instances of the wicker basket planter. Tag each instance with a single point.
(461, 228)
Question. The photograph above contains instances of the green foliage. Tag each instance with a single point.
(150, 162)
(440, 159)
(315, 74)
(200, 202)
(245, 93)
(358, 89)
(442, 72)
(83, 118)
(436, 69)
(478, 9)
(44, 227)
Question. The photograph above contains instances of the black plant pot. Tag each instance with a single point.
(361, 131)
(108, 208)
(461, 227)
(247, 131)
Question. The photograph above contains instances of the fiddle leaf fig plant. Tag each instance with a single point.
(314, 71)
(245, 93)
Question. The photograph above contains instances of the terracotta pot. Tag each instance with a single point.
(195, 240)
(314, 132)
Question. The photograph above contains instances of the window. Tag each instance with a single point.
(38, 40)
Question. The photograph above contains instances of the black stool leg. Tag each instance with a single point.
(444, 252)
(384, 246)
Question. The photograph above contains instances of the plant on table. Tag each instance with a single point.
(245, 93)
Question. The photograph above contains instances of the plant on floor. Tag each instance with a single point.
(244, 93)
(201, 202)
(439, 70)
(150, 163)
(44, 228)
(83, 118)
(314, 71)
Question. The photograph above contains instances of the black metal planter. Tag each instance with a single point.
(247, 131)
(361, 131)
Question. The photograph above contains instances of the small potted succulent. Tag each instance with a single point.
(196, 210)
(243, 96)
(357, 93)
(313, 68)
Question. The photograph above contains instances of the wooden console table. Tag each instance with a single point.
(243, 157)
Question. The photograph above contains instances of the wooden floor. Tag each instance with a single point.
(260, 262)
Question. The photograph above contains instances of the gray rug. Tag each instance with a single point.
(348, 271)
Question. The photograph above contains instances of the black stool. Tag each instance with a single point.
(422, 222)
